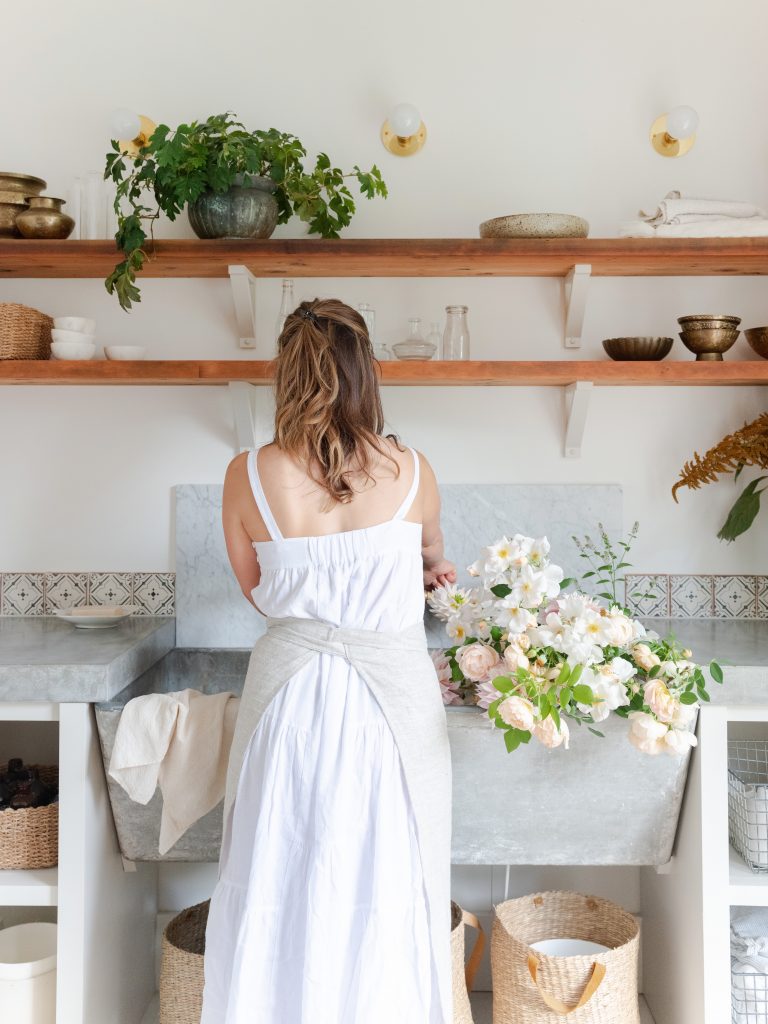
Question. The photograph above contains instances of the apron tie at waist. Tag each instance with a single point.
(320, 636)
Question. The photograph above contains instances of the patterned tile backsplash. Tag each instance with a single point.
(154, 593)
(39, 593)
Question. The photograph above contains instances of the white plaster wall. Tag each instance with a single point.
(529, 106)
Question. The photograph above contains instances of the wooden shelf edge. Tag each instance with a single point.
(394, 257)
(551, 373)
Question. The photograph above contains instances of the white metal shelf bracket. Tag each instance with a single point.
(576, 286)
(244, 409)
(577, 406)
(244, 297)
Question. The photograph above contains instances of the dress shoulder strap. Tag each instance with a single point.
(410, 496)
(260, 497)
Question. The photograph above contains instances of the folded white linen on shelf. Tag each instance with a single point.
(749, 964)
(677, 209)
(180, 741)
(712, 227)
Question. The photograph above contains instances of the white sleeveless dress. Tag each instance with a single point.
(319, 913)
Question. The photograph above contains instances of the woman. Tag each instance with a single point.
(332, 902)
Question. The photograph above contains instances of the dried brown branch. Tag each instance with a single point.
(745, 447)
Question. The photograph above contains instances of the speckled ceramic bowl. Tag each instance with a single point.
(535, 225)
(638, 348)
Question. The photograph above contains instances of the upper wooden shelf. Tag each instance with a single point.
(397, 257)
(430, 373)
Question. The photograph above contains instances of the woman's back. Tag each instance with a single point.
(358, 564)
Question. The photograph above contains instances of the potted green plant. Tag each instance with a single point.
(234, 183)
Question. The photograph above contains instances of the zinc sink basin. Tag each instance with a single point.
(601, 802)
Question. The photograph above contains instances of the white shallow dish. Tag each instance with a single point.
(73, 337)
(568, 947)
(81, 324)
(93, 616)
(73, 349)
(124, 351)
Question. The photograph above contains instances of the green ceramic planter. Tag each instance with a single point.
(247, 210)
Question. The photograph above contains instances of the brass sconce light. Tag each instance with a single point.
(131, 130)
(404, 133)
(673, 134)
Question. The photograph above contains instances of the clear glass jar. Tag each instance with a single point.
(414, 346)
(456, 335)
(368, 313)
(287, 305)
(435, 338)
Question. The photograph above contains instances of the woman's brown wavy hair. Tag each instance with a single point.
(328, 407)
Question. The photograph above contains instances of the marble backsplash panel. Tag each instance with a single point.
(212, 612)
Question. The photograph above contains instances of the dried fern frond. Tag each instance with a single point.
(745, 447)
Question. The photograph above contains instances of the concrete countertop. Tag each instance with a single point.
(43, 658)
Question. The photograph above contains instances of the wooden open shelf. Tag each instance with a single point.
(396, 257)
(411, 373)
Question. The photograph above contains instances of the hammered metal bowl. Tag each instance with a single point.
(14, 189)
(638, 348)
(709, 321)
(758, 340)
(709, 343)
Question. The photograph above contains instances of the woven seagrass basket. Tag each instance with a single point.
(182, 977)
(25, 333)
(29, 836)
(464, 975)
(530, 987)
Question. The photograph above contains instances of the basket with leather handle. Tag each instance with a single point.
(464, 974)
(531, 987)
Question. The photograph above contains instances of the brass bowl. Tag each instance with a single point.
(638, 348)
(709, 321)
(8, 214)
(26, 184)
(709, 343)
(758, 340)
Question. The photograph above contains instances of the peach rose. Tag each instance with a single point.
(517, 711)
(477, 661)
(644, 657)
(514, 657)
(661, 702)
(679, 741)
(646, 734)
(547, 733)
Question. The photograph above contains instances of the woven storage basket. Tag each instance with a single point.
(181, 966)
(29, 836)
(25, 333)
(530, 987)
(464, 975)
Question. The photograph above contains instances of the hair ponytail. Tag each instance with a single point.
(328, 406)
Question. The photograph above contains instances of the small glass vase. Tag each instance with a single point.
(414, 346)
(287, 305)
(456, 335)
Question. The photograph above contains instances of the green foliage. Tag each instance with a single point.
(178, 165)
(607, 564)
(744, 511)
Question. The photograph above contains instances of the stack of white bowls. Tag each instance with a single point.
(73, 338)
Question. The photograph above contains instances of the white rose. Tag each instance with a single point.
(547, 733)
(619, 630)
(517, 711)
(644, 657)
(646, 733)
(679, 741)
(514, 658)
(477, 661)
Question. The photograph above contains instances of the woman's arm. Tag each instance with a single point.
(437, 569)
(242, 556)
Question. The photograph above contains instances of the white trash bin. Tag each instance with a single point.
(28, 973)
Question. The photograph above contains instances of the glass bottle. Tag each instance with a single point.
(414, 346)
(456, 335)
(368, 313)
(287, 305)
(435, 338)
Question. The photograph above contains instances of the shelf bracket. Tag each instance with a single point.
(244, 409)
(244, 297)
(577, 406)
(575, 287)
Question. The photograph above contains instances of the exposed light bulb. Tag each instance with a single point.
(682, 122)
(404, 120)
(124, 124)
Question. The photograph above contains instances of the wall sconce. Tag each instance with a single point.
(404, 133)
(131, 130)
(673, 134)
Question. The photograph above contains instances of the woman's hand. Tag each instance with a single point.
(439, 574)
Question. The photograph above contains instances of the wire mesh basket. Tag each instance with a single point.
(749, 996)
(748, 801)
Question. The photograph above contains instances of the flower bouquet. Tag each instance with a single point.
(535, 657)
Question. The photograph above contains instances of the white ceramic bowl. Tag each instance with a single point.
(124, 351)
(77, 336)
(73, 349)
(82, 324)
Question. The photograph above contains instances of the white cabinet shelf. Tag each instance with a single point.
(33, 888)
(746, 888)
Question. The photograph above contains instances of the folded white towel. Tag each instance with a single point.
(674, 209)
(181, 742)
(712, 227)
